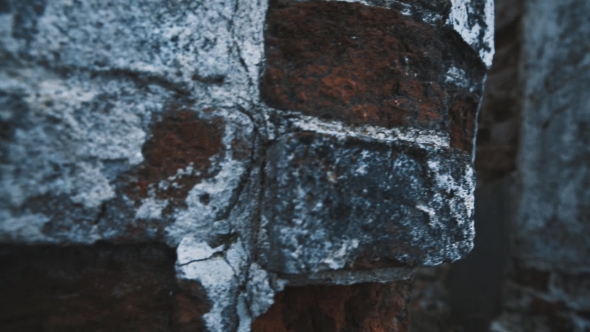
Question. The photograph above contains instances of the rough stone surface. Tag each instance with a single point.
(369, 65)
(408, 99)
(359, 204)
(80, 132)
(132, 121)
(149, 121)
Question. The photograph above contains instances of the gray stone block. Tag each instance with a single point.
(335, 203)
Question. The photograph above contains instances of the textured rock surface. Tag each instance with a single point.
(91, 149)
(131, 121)
(149, 121)
(393, 95)
(360, 204)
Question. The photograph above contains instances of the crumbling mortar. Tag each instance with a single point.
(140, 79)
(237, 294)
(242, 182)
(264, 135)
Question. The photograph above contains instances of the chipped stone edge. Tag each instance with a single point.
(229, 261)
(459, 20)
(295, 121)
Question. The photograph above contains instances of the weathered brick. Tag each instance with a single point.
(365, 307)
(331, 202)
(179, 139)
(369, 65)
(97, 288)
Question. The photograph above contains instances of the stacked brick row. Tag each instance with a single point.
(306, 154)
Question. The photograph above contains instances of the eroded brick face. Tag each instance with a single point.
(186, 146)
(180, 138)
(156, 127)
(366, 65)
(98, 288)
(368, 307)
(370, 199)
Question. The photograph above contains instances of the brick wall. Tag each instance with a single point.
(256, 161)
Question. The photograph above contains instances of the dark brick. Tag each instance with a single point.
(368, 65)
(179, 138)
(366, 307)
(323, 193)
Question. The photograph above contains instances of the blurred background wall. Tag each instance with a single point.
(529, 270)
